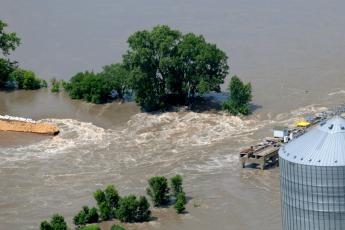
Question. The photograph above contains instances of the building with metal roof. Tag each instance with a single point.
(312, 169)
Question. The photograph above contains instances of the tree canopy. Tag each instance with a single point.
(172, 67)
(240, 95)
(10, 75)
(8, 41)
(161, 67)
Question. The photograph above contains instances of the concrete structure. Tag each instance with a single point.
(312, 169)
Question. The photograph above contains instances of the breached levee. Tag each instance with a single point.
(18, 124)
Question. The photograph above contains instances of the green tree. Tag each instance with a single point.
(26, 79)
(180, 202)
(88, 86)
(240, 97)
(55, 85)
(152, 52)
(117, 77)
(172, 65)
(176, 185)
(107, 201)
(127, 209)
(143, 212)
(86, 216)
(8, 42)
(158, 190)
(131, 209)
(117, 227)
(57, 222)
(45, 225)
(90, 227)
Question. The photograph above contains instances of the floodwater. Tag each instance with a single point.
(291, 51)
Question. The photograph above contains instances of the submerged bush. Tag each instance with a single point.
(57, 222)
(131, 209)
(26, 79)
(117, 227)
(176, 185)
(90, 227)
(86, 216)
(180, 202)
(158, 190)
(107, 201)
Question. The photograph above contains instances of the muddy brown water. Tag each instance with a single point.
(292, 52)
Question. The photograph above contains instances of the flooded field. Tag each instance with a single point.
(292, 52)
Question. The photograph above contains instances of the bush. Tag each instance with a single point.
(107, 201)
(180, 202)
(240, 96)
(57, 222)
(90, 227)
(86, 216)
(131, 209)
(117, 227)
(89, 86)
(26, 79)
(176, 185)
(158, 190)
(55, 86)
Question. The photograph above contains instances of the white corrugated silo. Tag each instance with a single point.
(312, 173)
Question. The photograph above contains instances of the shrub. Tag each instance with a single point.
(117, 227)
(240, 96)
(57, 222)
(90, 227)
(131, 209)
(158, 190)
(176, 185)
(55, 86)
(143, 210)
(105, 211)
(86, 216)
(180, 202)
(26, 79)
(107, 201)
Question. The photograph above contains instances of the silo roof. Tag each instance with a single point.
(323, 145)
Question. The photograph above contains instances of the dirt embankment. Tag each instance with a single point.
(20, 126)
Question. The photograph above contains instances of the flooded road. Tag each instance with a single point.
(292, 52)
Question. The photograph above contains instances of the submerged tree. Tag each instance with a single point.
(172, 67)
(8, 42)
(240, 97)
(158, 190)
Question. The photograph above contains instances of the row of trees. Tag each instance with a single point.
(11, 76)
(161, 67)
(129, 209)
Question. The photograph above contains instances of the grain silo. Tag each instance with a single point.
(312, 169)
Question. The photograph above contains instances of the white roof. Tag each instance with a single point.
(323, 145)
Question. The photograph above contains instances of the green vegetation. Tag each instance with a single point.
(162, 67)
(107, 202)
(173, 67)
(90, 227)
(117, 227)
(158, 190)
(86, 216)
(131, 209)
(25, 79)
(126, 209)
(11, 76)
(240, 96)
(117, 78)
(57, 222)
(55, 85)
(181, 201)
(176, 185)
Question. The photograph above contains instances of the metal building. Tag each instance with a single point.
(312, 169)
